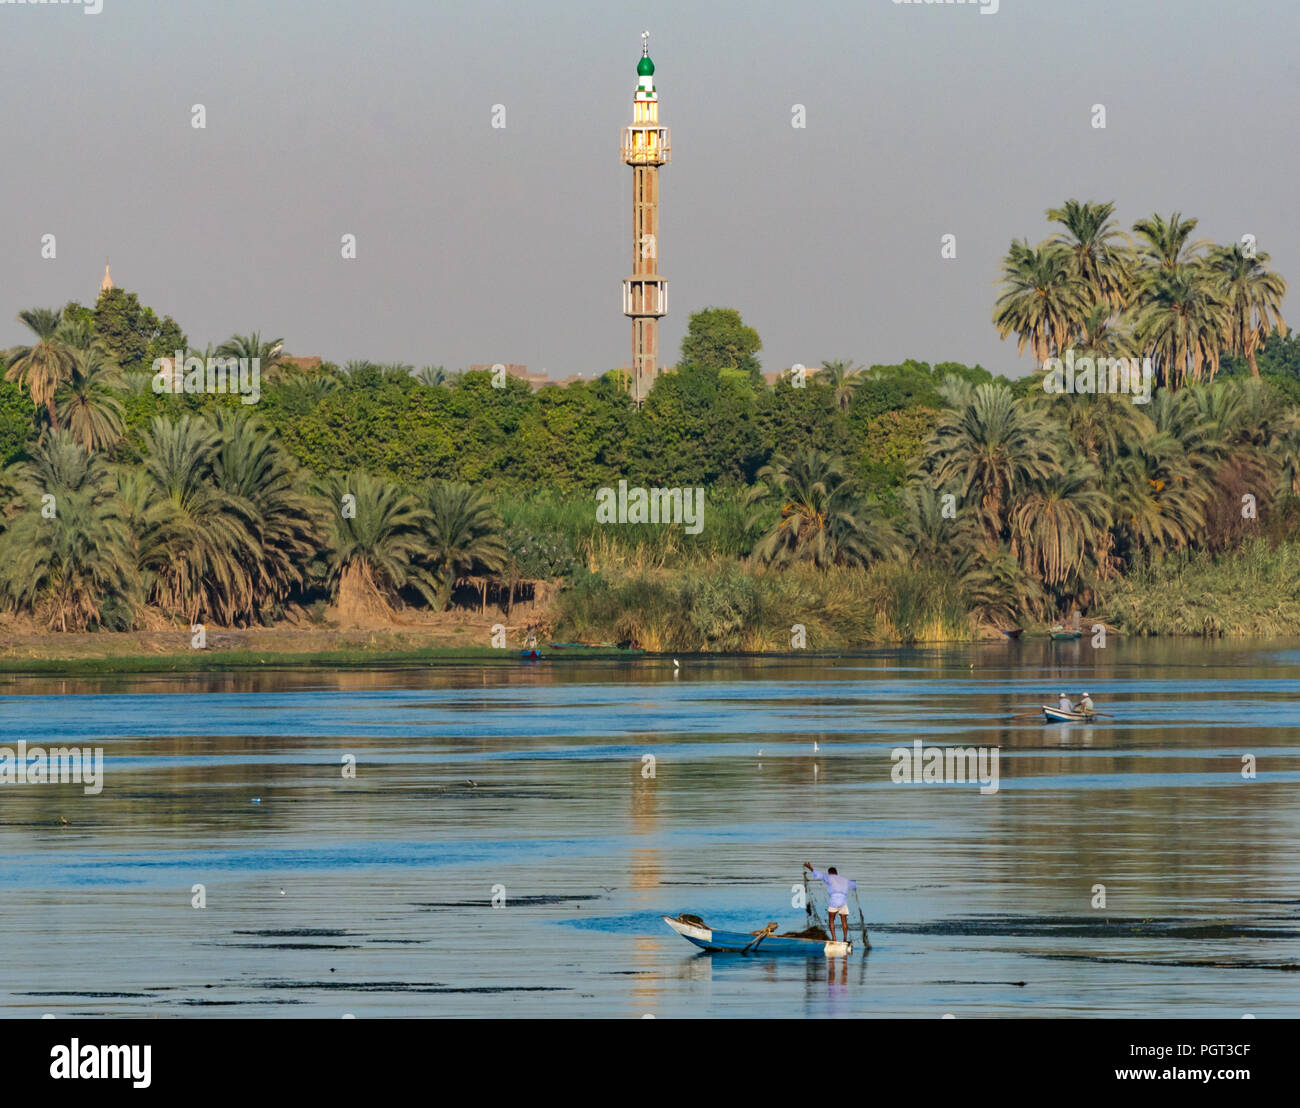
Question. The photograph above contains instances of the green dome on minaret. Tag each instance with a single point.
(645, 67)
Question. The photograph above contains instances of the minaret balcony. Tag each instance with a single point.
(645, 296)
(645, 144)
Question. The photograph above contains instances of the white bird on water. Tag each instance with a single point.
(676, 664)
(815, 746)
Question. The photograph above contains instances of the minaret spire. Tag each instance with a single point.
(645, 293)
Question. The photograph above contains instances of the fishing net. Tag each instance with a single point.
(818, 901)
(816, 931)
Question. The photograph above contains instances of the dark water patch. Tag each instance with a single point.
(298, 933)
(290, 946)
(1240, 900)
(199, 1002)
(1197, 963)
(1086, 927)
(407, 987)
(89, 996)
(1017, 984)
(722, 881)
(402, 942)
(511, 902)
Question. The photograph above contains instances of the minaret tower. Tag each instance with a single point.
(645, 293)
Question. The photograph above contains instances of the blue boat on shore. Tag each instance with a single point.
(695, 930)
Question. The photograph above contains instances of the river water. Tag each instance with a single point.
(326, 895)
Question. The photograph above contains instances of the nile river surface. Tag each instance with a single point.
(328, 895)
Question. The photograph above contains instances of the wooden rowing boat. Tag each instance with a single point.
(1055, 715)
(1060, 634)
(695, 930)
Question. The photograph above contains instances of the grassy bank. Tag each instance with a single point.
(721, 606)
(1252, 592)
(712, 606)
(207, 661)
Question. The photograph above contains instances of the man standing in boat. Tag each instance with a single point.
(839, 888)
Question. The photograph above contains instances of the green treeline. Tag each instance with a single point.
(890, 502)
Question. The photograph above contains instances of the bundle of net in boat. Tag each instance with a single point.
(814, 932)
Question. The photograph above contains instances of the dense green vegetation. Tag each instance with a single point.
(909, 501)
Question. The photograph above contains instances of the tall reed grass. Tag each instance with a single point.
(1254, 590)
(724, 606)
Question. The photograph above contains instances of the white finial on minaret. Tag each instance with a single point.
(645, 44)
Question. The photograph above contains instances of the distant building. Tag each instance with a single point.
(514, 369)
(780, 376)
(306, 365)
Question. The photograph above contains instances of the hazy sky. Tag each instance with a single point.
(476, 244)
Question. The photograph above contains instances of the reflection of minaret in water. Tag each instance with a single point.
(645, 293)
(645, 871)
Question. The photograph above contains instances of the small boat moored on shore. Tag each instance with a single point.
(695, 930)
(1062, 634)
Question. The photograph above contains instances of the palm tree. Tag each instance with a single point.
(396, 371)
(44, 365)
(65, 557)
(931, 534)
(465, 533)
(1253, 296)
(1161, 484)
(195, 540)
(270, 354)
(992, 449)
(433, 375)
(821, 517)
(1101, 427)
(77, 332)
(303, 392)
(1098, 260)
(378, 543)
(1167, 243)
(87, 405)
(1181, 322)
(1060, 527)
(1042, 300)
(1157, 496)
(840, 375)
(287, 523)
(1101, 334)
(997, 587)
